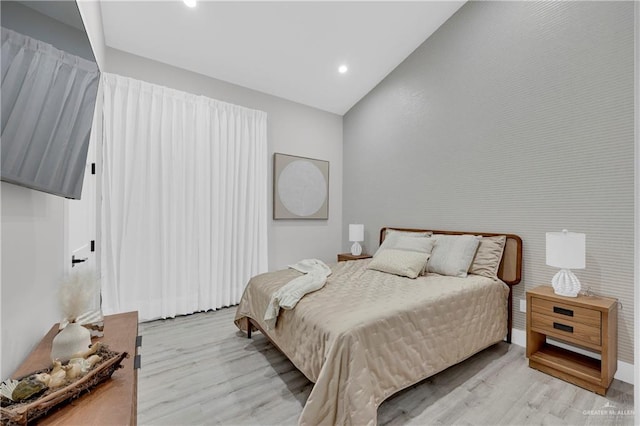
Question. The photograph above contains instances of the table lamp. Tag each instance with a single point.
(566, 250)
(356, 234)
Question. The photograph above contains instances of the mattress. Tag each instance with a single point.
(367, 334)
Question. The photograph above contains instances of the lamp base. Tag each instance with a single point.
(356, 249)
(565, 283)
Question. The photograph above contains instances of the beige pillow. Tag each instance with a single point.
(419, 244)
(487, 259)
(399, 262)
(392, 237)
(407, 233)
(408, 243)
(452, 254)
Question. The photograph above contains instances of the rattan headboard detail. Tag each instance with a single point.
(510, 270)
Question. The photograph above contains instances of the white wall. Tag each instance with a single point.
(292, 129)
(32, 265)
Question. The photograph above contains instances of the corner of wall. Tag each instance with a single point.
(91, 14)
(637, 212)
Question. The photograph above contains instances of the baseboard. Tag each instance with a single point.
(625, 371)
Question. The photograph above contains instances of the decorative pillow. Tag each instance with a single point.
(399, 262)
(407, 233)
(410, 239)
(452, 254)
(409, 243)
(419, 244)
(488, 256)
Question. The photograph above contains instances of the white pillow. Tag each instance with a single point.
(452, 254)
(399, 262)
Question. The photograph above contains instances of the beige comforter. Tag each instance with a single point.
(367, 334)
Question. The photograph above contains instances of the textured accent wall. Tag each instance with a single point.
(513, 117)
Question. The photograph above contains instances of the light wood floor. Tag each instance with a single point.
(199, 369)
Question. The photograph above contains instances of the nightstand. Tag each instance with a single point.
(342, 257)
(590, 322)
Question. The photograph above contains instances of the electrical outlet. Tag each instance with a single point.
(523, 305)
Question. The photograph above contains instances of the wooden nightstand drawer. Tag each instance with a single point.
(565, 329)
(566, 312)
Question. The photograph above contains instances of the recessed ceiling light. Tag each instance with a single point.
(342, 69)
(190, 3)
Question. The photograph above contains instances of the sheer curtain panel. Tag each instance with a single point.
(184, 208)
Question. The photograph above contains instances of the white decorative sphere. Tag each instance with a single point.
(70, 341)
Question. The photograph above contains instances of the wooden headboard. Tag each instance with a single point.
(510, 270)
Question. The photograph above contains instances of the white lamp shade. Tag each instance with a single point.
(356, 232)
(566, 250)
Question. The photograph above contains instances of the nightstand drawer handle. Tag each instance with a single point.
(563, 327)
(562, 311)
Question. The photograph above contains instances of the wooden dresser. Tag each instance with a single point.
(590, 322)
(112, 402)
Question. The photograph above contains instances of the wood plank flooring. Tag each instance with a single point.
(200, 370)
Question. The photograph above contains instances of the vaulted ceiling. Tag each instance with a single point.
(287, 49)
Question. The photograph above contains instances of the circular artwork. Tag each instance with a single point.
(302, 188)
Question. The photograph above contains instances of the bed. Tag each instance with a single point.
(368, 334)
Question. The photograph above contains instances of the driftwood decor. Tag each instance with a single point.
(23, 412)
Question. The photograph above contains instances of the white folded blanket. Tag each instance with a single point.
(316, 273)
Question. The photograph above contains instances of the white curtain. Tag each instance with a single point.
(48, 99)
(184, 208)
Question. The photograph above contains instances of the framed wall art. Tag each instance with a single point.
(300, 187)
